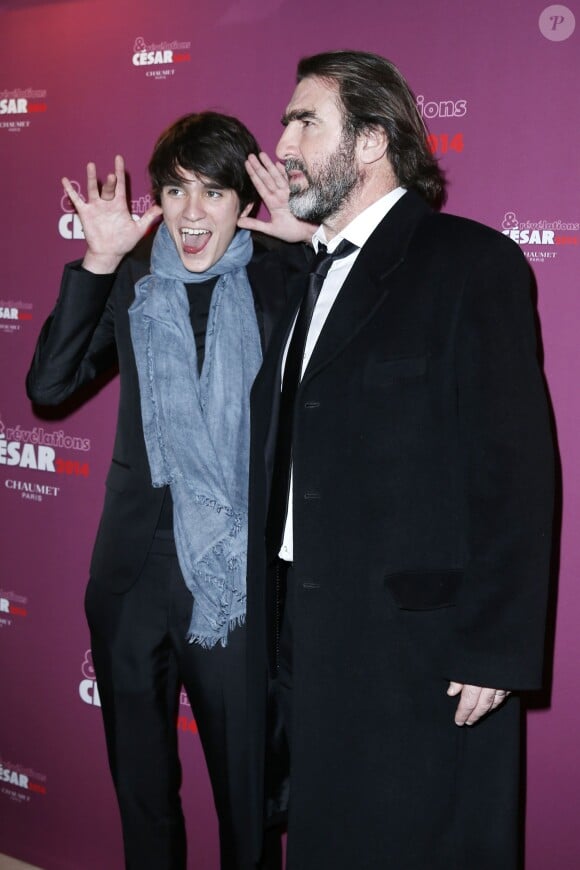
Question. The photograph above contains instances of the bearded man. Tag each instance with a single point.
(401, 499)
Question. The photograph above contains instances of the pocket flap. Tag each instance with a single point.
(118, 476)
(424, 590)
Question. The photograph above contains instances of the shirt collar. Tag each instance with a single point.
(363, 225)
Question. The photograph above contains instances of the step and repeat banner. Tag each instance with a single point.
(497, 85)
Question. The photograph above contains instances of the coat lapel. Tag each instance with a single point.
(369, 281)
(267, 386)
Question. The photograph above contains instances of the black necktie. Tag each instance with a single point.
(292, 375)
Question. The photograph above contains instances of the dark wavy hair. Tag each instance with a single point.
(209, 144)
(374, 93)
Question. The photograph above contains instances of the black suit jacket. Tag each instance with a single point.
(86, 335)
(422, 461)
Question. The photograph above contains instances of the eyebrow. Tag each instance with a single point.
(297, 115)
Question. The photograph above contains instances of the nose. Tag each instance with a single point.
(287, 144)
(193, 209)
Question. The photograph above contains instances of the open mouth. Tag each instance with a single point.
(193, 241)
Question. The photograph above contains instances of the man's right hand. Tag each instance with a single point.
(109, 229)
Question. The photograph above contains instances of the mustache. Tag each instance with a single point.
(292, 164)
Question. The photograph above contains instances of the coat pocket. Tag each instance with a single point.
(424, 590)
(118, 476)
(386, 371)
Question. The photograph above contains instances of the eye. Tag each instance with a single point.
(214, 194)
(173, 191)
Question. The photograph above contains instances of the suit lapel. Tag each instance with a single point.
(267, 386)
(369, 280)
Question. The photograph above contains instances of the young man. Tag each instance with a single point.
(409, 512)
(185, 323)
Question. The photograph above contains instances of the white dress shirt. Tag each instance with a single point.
(358, 232)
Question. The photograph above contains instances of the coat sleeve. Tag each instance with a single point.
(77, 341)
(507, 454)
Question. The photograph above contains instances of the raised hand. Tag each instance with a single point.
(109, 229)
(271, 183)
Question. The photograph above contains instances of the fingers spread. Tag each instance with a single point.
(92, 184)
(109, 187)
(120, 175)
(267, 177)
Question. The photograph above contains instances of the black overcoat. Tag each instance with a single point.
(423, 488)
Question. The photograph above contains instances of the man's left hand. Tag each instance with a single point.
(475, 701)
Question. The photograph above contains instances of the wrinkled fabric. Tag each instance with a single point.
(197, 429)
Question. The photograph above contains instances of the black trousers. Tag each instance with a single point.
(285, 652)
(141, 658)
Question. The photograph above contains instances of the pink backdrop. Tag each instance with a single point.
(497, 82)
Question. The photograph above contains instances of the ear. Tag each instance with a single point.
(247, 210)
(372, 144)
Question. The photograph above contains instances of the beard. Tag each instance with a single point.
(329, 183)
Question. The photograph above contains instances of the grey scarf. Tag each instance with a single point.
(197, 429)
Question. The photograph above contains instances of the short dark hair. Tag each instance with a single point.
(209, 144)
(374, 93)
